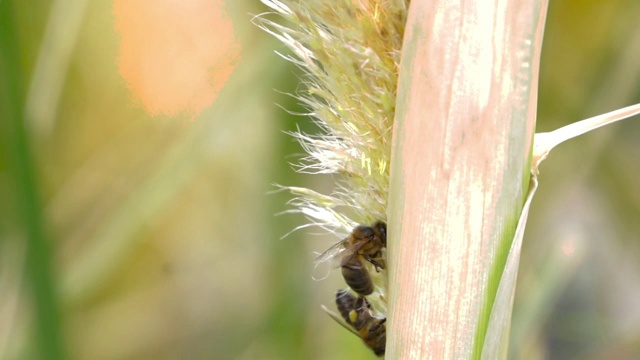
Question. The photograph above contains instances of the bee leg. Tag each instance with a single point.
(377, 325)
(379, 263)
(362, 303)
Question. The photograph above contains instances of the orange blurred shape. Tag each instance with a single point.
(175, 56)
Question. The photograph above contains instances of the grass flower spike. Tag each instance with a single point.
(350, 51)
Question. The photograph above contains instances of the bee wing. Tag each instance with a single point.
(331, 253)
(340, 320)
(338, 248)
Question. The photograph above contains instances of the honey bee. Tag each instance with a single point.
(356, 312)
(364, 243)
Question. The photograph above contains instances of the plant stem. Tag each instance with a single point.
(39, 267)
(460, 167)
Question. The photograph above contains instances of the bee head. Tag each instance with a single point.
(381, 229)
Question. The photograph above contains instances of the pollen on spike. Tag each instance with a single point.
(382, 166)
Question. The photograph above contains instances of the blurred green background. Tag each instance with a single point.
(154, 233)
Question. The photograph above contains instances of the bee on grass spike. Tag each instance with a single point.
(365, 243)
(356, 316)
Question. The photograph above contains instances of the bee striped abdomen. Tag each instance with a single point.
(357, 313)
(357, 276)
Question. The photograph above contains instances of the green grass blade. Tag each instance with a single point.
(39, 264)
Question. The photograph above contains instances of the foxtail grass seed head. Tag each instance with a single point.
(349, 51)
